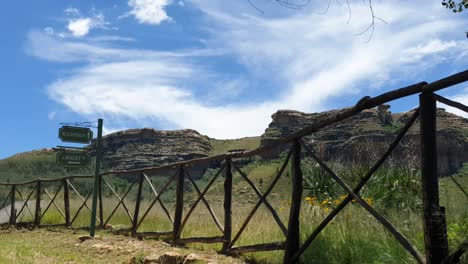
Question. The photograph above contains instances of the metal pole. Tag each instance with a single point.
(96, 178)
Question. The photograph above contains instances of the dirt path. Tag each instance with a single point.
(64, 246)
(5, 211)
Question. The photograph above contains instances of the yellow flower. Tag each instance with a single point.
(342, 197)
(324, 202)
(368, 200)
(353, 201)
(337, 202)
(326, 209)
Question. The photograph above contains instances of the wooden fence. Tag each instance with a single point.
(435, 234)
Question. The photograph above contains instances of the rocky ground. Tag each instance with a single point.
(68, 246)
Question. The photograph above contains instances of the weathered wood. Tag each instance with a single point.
(160, 202)
(257, 248)
(79, 195)
(358, 187)
(66, 201)
(47, 180)
(12, 205)
(53, 225)
(435, 235)
(38, 213)
(101, 209)
(459, 186)
(397, 234)
(265, 201)
(137, 204)
(25, 202)
(194, 205)
(52, 201)
(455, 257)
(227, 205)
(7, 198)
(179, 207)
(207, 240)
(451, 103)
(210, 210)
(446, 82)
(154, 234)
(81, 207)
(293, 236)
(157, 198)
(121, 201)
(257, 205)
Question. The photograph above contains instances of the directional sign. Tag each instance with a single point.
(75, 134)
(73, 158)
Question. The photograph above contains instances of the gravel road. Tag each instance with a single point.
(5, 212)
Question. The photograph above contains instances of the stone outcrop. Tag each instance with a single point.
(363, 138)
(139, 148)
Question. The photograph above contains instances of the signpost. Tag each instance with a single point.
(75, 134)
(73, 158)
(81, 158)
(96, 178)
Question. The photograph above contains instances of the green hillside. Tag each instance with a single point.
(224, 145)
(35, 164)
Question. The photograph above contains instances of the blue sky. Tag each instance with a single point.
(220, 67)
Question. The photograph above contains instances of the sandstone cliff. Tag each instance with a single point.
(139, 148)
(364, 137)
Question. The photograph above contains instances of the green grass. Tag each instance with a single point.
(224, 145)
(352, 237)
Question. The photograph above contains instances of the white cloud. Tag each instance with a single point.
(149, 11)
(80, 27)
(71, 11)
(63, 50)
(308, 58)
(432, 47)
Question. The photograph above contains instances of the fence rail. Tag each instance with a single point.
(435, 234)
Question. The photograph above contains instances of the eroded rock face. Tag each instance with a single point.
(363, 138)
(139, 148)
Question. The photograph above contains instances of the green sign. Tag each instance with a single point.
(73, 158)
(75, 134)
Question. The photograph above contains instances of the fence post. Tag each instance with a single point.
(179, 203)
(293, 236)
(12, 205)
(227, 205)
(66, 201)
(37, 215)
(435, 231)
(101, 210)
(137, 205)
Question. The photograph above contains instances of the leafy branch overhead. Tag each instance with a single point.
(455, 6)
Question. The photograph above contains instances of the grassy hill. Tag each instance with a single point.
(224, 145)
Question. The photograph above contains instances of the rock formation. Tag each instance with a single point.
(364, 137)
(139, 148)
